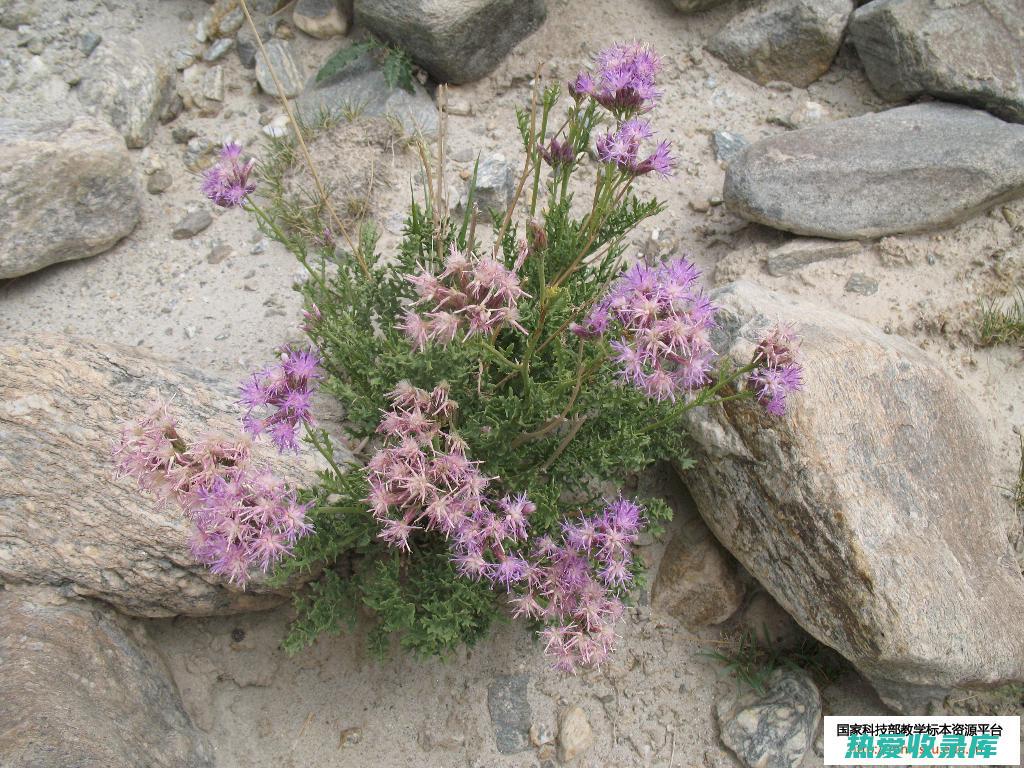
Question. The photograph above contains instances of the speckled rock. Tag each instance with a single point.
(456, 41)
(771, 728)
(804, 251)
(130, 87)
(789, 40)
(81, 688)
(64, 520)
(875, 486)
(510, 712)
(67, 189)
(281, 57)
(910, 169)
(494, 187)
(912, 47)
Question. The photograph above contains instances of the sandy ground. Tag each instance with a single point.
(335, 706)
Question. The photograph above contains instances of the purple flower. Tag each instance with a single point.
(623, 146)
(473, 296)
(509, 570)
(663, 322)
(286, 391)
(624, 80)
(244, 517)
(557, 153)
(421, 477)
(227, 183)
(777, 374)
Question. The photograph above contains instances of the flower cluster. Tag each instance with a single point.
(664, 320)
(421, 479)
(624, 80)
(422, 473)
(227, 183)
(623, 148)
(284, 391)
(244, 517)
(572, 585)
(777, 373)
(473, 294)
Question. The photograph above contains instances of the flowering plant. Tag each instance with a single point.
(493, 388)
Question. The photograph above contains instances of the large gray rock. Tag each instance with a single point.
(279, 60)
(67, 191)
(772, 728)
(869, 512)
(361, 88)
(63, 520)
(910, 169)
(960, 51)
(456, 41)
(81, 688)
(133, 89)
(790, 40)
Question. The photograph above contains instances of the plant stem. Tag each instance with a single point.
(302, 143)
(300, 255)
(324, 449)
(535, 151)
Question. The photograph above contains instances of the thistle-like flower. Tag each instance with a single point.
(557, 153)
(283, 394)
(245, 518)
(622, 148)
(624, 78)
(227, 183)
(421, 478)
(778, 374)
(663, 321)
(473, 295)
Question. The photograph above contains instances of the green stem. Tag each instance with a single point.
(536, 152)
(299, 254)
(324, 448)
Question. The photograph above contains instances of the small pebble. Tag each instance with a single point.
(218, 253)
(575, 735)
(159, 181)
(88, 41)
(350, 737)
(183, 134)
(192, 224)
(862, 284)
(218, 49)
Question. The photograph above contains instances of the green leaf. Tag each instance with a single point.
(398, 69)
(341, 59)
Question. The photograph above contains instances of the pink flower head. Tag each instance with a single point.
(285, 390)
(623, 148)
(624, 81)
(663, 322)
(227, 183)
(777, 374)
(471, 296)
(557, 153)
